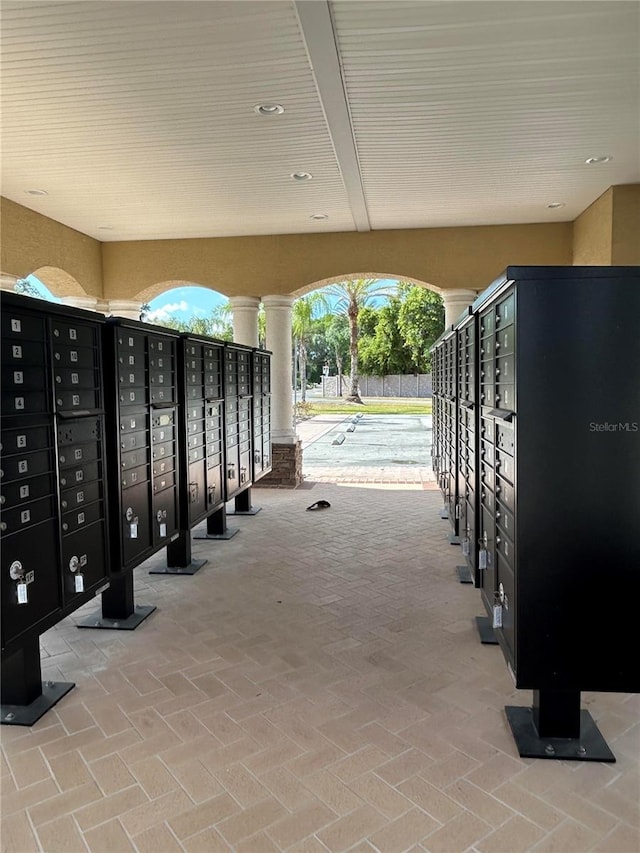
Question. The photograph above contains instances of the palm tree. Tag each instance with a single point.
(350, 297)
(262, 327)
(305, 310)
(23, 285)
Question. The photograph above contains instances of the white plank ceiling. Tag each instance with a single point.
(137, 118)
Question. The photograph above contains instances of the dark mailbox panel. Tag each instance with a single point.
(200, 431)
(468, 462)
(261, 413)
(445, 422)
(437, 413)
(557, 467)
(52, 501)
(143, 370)
(239, 438)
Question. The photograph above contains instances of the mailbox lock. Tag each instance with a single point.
(16, 571)
(129, 514)
(74, 564)
(501, 595)
(162, 513)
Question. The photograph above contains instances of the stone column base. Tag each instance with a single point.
(287, 467)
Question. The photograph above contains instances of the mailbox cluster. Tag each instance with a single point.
(546, 410)
(237, 401)
(142, 406)
(201, 368)
(146, 402)
(261, 414)
(118, 437)
(445, 436)
(54, 505)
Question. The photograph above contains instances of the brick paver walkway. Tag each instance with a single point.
(317, 686)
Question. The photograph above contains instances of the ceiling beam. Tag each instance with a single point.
(319, 36)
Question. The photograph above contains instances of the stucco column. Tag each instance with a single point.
(89, 303)
(278, 321)
(455, 302)
(8, 282)
(245, 319)
(128, 308)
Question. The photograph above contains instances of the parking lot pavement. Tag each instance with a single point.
(385, 449)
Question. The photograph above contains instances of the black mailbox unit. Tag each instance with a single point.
(142, 397)
(466, 464)
(261, 360)
(200, 439)
(238, 391)
(238, 444)
(448, 427)
(53, 502)
(437, 419)
(559, 451)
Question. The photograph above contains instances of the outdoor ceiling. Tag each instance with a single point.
(137, 118)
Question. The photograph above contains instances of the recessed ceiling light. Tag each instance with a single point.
(268, 109)
(36, 192)
(319, 216)
(555, 205)
(105, 227)
(594, 160)
(301, 176)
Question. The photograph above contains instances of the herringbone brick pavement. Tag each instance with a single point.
(317, 686)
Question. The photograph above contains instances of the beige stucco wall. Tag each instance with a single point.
(625, 241)
(292, 263)
(68, 262)
(71, 263)
(608, 231)
(592, 233)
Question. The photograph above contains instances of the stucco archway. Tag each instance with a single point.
(59, 282)
(325, 282)
(160, 287)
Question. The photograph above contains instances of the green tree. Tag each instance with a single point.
(304, 313)
(217, 324)
(420, 322)
(383, 349)
(350, 298)
(319, 351)
(24, 286)
(337, 338)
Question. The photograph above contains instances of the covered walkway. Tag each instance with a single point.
(317, 686)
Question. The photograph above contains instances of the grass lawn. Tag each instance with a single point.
(370, 407)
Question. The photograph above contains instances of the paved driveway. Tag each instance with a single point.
(384, 449)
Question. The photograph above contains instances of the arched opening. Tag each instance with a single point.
(378, 276)
(58, 282)
(385, 325)
(32, 285)
(393, 320)
(188, 307)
